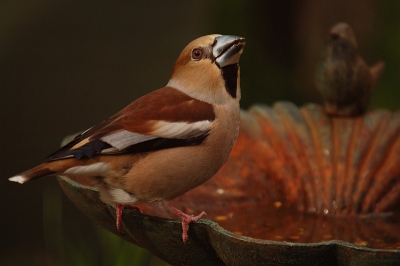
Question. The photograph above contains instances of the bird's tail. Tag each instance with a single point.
(48, 168)
(377, 71)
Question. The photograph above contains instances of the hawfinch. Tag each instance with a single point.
(166, 142)
(343, 78)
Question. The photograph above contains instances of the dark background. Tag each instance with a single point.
(67, 65)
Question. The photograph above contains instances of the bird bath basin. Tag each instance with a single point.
(299, 188)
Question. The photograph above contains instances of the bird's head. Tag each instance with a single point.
(342, 32)
(207, 69)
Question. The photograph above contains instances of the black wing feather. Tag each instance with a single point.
(95, 147)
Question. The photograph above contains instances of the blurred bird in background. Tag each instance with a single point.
(343, 78)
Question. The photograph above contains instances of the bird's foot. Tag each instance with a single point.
(186, 220)
(120, 208)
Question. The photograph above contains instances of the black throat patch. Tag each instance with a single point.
(230, 74)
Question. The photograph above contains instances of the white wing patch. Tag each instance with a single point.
(180, 130)
(95, 169)
(162, 129)
(124, 138)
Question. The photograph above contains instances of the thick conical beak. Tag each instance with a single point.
(227, 50)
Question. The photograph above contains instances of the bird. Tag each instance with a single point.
(166, 142)
(343, 78)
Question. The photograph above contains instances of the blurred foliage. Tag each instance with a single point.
(387, 92)
(68, 243)
(284, 39)
(109, 250)
(97, 247)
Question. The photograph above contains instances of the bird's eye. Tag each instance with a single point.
(335, 36)
(197, 54)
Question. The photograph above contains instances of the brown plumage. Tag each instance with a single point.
(166, 142)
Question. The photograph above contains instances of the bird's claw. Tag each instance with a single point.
(119, 210)
(186, 220)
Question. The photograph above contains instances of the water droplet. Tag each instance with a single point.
(220, 191)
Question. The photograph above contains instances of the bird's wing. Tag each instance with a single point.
(164, 118)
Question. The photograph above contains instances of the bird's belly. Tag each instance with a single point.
(170, 173)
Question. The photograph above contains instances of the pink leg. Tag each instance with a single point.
(120, 208)
(186, 220)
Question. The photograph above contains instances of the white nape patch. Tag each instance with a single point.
(19, 179)
(95, 169)
(180, 130)
(121, 196)
(124, 138)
